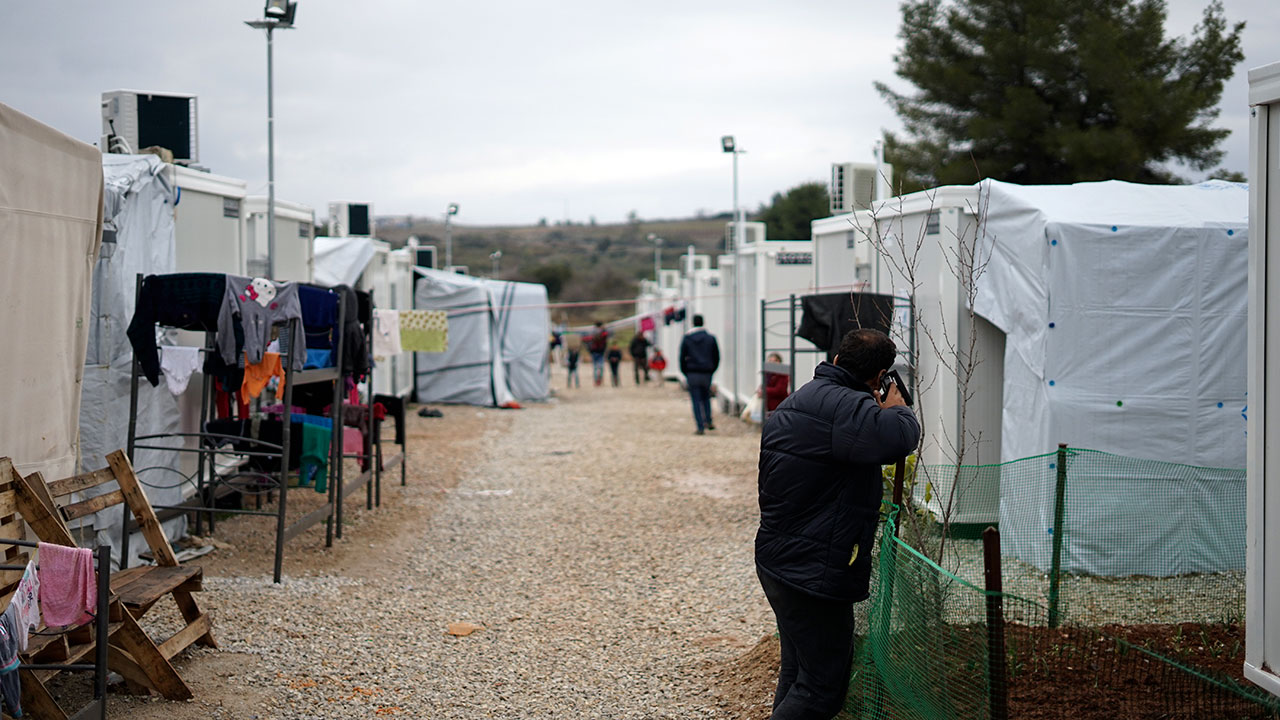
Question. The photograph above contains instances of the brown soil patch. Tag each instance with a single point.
(742, 687)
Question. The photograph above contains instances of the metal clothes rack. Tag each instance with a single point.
(791, 305)
(97, 705)
(210, 486)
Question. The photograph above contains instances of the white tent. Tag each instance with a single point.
(50, 229)
(1111, 317)
(498, 340)
(340, 261)
(138, 221)
(524, 325)
(471, 371)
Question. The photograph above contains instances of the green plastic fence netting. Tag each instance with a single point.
(923, 651)
(1139, 540)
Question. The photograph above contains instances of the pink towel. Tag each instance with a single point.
(68, 588)
(352, 441)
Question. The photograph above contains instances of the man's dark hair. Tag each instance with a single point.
(865, 352)
(697, 321)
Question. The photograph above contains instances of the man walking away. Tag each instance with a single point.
(820, 492)
(597, 344)
(639, 356)
(699, 359)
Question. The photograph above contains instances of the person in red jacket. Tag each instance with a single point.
(777, 386)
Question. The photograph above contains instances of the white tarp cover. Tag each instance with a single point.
(524, 324)
(1124, 307)
(138, 207)
(50, 227)
(340, 261)
(471, 371)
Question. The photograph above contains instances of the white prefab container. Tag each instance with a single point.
(209, 222)
(295, 230)
(1262, 626)
(937, 221)
(767, 270)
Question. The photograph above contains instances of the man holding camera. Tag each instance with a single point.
(820, 490)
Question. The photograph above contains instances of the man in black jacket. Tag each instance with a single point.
(820, 491)
(699, 359)
(640, 356)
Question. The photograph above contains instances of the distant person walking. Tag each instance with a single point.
(597, 344)
(572, 353)
(614, 357)
(640, 356)
(699, 359)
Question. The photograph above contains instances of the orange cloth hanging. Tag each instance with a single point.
(257, 376)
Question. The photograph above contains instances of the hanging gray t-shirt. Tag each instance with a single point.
(260, 303)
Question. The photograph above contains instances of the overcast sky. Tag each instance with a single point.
(515, 110)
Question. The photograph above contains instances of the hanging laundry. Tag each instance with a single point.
(190, 301)
(178, 364)
(678, 316)
(647, 324)
(68, 589)
(26, 605)
(668, 316)
(257, 375)
(424, 330)
(313, 463)
(259, 304)
(386, 334)
(10, 684)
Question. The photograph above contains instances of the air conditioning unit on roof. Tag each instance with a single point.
(853, 185)
(347, 219)
(147, 119)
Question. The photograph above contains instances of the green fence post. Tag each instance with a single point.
(1059, 509)
(997, 671)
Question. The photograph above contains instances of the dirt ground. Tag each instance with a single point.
(440, 450)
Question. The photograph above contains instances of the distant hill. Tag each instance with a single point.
(577, 262)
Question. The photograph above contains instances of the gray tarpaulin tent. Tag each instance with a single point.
(138, 223)
(498, 335)
(50, 227)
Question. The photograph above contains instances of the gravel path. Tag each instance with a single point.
(601, 547)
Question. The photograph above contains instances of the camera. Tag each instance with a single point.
(893, 378)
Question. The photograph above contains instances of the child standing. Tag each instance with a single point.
(615, 358)
(658, 363)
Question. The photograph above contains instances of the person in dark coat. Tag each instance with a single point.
(614, 357)
(821, 453)
(639, 356)
(699, 360)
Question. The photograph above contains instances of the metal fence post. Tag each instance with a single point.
(1059, 510)
(997, 680)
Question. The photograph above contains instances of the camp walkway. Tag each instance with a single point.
(587, 557)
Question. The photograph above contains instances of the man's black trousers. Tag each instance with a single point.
(817, 652)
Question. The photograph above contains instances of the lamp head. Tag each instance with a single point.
(452, 209)
(727, 144)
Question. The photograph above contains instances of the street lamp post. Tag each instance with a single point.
(449, 212)
(728, 145)
(496, 258)
(277, 15)
(657, 259)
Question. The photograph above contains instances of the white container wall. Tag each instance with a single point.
(1262, 626)
(767, 270)
(208, 222)
(295, 229)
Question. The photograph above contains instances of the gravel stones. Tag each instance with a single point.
(600, 552)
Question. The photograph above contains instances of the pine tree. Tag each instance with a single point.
(788, 216)
(1033, 92)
